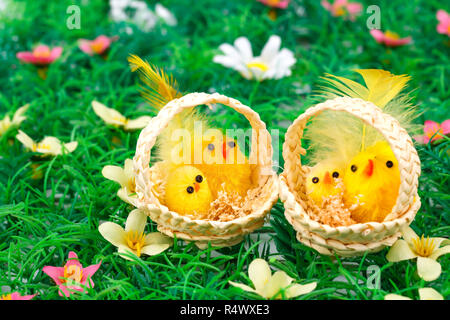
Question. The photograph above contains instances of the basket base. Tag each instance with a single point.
(331, 247)
(202, 241)
(347, 253)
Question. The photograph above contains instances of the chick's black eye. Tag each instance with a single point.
(353, 168)
(199, 178)
(389, 164)
(231, 144)
(335, 174)
(190, 189)
(210, 147)
(315, 180)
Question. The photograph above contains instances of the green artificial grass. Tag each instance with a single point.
(42, 220)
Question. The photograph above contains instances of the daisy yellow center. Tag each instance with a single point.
(97, 47)
(121, 120)
(135, 241)
(391, 35)
(273, 2)
(424, 247)
(73, 272)
(6, 297)
(42, 146)
(259, 65)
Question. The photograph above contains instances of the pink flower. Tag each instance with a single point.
(435, 129)
(72, 275)
(41, 55)
(282, 4)
(389, 39)
(444, 22)
(99, 45)
(16, 296)
(343, 8)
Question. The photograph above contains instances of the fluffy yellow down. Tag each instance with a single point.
(325, 180)
(372, 180)
(187, 192)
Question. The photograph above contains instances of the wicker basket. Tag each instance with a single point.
(358, 238)
(148, 180)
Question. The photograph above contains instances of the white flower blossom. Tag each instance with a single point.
(138, 12)
(273, 63)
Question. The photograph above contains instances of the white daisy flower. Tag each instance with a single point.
(118, 9)
(132, 238)
(268, 285)
(273, 63)
(3, 5)
(17, 119)
(139, 13)
(424, 294)
(49, 146)
(165, 14)
(125, 177)
(116, 119)
(144, 18)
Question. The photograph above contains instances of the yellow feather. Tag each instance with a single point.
(381, 86)
(179, 147)
(160, 88)
(383, 89)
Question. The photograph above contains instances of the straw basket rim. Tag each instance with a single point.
(292, 179)
(147, 199)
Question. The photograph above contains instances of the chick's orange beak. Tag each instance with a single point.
(369, 168)
(196, 187)
(327, 178)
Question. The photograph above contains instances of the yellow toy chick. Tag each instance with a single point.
(324, 181)
(226, 167)
(372, 177)
(187, 192)
(331, 146)
(372, 180)
(208, 149)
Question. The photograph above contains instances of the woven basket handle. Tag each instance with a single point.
(261, 150)
(397, 137)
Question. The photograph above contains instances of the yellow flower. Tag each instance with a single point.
(17, 119)
(48, 146)
(132, 238)
(124, 177)
(426, 250)
(424, 294)
(267, 285)
(115, 118)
